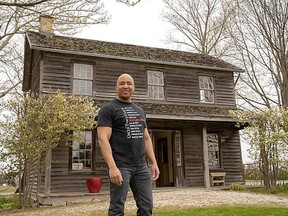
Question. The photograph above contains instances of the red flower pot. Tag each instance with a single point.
(94, 184)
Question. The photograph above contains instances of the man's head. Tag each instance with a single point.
(125, 87)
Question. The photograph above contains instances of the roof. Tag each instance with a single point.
(182, 112)
(63, 44)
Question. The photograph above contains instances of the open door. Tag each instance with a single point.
(162, 160)
(168, 152)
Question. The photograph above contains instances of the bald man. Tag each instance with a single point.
(125, 142)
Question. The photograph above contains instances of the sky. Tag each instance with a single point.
(138, 25)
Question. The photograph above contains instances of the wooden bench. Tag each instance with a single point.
(217, 178)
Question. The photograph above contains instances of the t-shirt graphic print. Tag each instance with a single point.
(133, 123)
(128, 123)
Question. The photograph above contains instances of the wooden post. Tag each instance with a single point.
(48, 160)
(205, 158)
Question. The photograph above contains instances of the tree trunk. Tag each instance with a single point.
(48, 160)
(265, 167)
(284, 89)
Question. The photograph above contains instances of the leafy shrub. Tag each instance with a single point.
(237, 187)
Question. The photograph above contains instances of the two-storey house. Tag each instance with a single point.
(186, 97)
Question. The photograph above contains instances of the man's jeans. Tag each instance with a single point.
(140, 183)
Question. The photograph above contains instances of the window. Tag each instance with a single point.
(82, 152)
(213, 150)
(82, 79)
(155, 85)
(206, 89)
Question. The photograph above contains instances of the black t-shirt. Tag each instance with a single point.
(128, 122)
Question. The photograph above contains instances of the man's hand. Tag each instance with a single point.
(155, 172)
(115, 176)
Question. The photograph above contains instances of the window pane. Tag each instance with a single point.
(82, 87)
(155, 85)
(83, 77)
(82, 152)
(206, 89)
(206, 83)
(83, 71)
(213, 150)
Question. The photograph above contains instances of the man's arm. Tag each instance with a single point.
(104, 134)
(151, 156)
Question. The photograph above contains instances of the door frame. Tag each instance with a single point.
(176, 165)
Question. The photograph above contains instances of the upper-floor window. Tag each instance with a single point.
(155, 85)
(213, 150)
(82, 152)
(206, 86)
(82, 79)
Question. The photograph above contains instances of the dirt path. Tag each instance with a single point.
(169, 198)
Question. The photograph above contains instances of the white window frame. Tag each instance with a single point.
(82, 79)
(82, 152)
(207, 91)
(213, 150)
(155, 85)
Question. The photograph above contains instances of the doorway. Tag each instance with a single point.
(163, 146)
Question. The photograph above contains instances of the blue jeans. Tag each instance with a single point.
(139, 180)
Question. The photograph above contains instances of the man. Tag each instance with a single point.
(124, 141)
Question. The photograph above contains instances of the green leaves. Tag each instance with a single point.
(40, 122)
(268, 137)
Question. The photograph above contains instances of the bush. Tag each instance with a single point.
(9, 202)
(237, 187)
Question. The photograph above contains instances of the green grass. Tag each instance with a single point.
(225, 211)
(282, 190)
(9, 202)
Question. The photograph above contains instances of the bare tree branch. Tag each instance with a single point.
(202, 24)
(129, 2)
(17, 17)
(15, 4)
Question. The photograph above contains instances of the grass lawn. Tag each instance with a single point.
(199, 211)
(226, 211)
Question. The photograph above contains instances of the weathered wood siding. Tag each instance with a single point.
(65, 180)
(224, 89)
(107, 72)
(181, 84)
(57, 73)
(232, 159)
(36, 72)
(193, 156)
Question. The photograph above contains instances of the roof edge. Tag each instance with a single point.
(190, 118)
(134, 59)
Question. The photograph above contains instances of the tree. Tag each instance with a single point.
(260, 33)
(200, 25)
(268, 135)
(129, 3)
(20, 16)
(36, 126)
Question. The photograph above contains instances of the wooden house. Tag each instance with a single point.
(186, 97)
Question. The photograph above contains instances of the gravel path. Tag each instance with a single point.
(169, 198)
